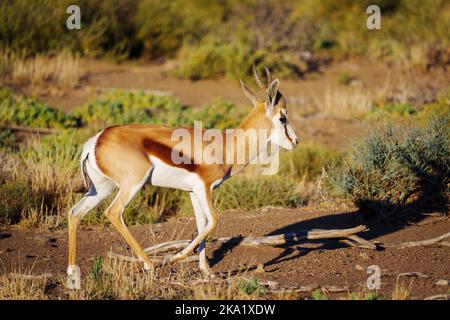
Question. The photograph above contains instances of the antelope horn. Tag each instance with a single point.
(258, 80)
(269, 76)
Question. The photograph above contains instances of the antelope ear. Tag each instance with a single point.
(273, 89)
(249, 93)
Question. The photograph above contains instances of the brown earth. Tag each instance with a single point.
(308, 263)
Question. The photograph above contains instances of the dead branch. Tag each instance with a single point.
(30, 276)
(306, 289)
(31, 129)
(274, 240)
(438, 297)
(410, 244)
(157, 260)
(347, 236)
(407, 274)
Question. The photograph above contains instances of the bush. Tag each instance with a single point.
(17, 110)
(221, 114)
(216, 58)
(258, 192)
(7, 138)
(38, 180)
(391, 111)
(308, 160)
(120, 107)
(392, 168)
(252, 286)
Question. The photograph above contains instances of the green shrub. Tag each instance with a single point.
(249, 194)
(215, 58)
(120, 107)
(308, 160)
(39, 178)
(18, 110)
(440, 108)
(391, 111)
(319, 295)
(252, 286)
(391, 167)
(221, 114)
(155, 204)
(14, 197)
(7, 138)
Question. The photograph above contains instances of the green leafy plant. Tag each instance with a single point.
(308, 160)
(318, 295)
(18, 110)
(97, 267)
(252, 286)
(249, 194)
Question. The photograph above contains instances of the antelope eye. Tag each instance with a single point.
(283, 120)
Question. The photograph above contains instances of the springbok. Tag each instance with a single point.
(129, 156)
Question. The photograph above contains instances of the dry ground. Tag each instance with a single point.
(309, 263)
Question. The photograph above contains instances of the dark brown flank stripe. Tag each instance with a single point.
(164, 153)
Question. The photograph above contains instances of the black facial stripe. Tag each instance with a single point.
(287, 134)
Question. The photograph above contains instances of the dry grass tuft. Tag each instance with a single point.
(345, 102)
(120, 280)
(401, 291)
(62, 69)
(20, 286)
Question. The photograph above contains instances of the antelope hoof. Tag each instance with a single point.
(73, 277)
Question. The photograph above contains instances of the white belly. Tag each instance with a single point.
(164, 175)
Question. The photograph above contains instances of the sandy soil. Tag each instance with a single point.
(308, 263)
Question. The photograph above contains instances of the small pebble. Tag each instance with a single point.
(442, 282)
(260, 268)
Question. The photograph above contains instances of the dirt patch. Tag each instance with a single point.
(309, 263)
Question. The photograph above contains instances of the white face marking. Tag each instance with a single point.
(278, 135)
(164, 175)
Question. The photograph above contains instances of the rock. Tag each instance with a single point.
(272, 284)
(442, 282)
(260, 268)
(37, 238)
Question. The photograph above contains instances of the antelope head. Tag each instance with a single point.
(282, 133)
